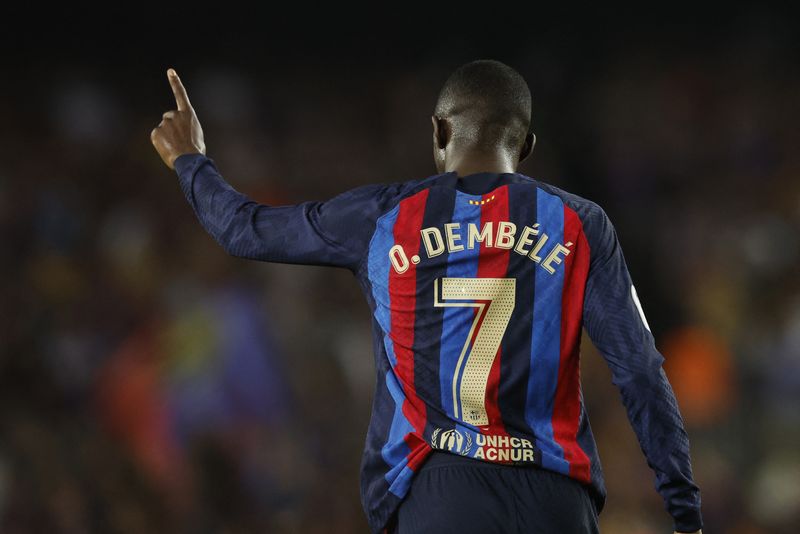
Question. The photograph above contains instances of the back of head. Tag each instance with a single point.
(488, 105)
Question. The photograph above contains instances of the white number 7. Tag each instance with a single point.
(495, 299)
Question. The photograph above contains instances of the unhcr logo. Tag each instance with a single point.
(451, 440)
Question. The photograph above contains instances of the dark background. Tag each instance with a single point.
(150, 383)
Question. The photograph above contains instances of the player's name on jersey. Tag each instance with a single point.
(455, 237)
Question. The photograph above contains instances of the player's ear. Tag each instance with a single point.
(527, 146)
(441, 132)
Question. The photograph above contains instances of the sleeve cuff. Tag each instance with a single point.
(187, 161)
(689, 522)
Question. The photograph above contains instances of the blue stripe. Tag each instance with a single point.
(389, 344)
(378, 266)
(395, 450)
(457, 321)
(402, 479)
(546, 339)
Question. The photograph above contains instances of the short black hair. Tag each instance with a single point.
(489, 104)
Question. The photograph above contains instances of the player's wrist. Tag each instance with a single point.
(186, 160)
(687, 520)
(187, 152)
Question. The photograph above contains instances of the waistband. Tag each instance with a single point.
(439, 458)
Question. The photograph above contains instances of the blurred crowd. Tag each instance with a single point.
(151, 383)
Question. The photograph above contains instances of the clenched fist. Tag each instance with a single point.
(179, 131)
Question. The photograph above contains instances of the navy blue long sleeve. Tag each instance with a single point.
(616, 324)
(333, 232)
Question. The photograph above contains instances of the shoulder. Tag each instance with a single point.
(596, 225)
(412, 187)
(359, 208)
(589, 211)
(388, 196)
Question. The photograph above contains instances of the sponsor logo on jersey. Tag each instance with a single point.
(451, 440)
(503, 448)
(491, 447)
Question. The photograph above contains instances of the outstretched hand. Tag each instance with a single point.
(179, 131)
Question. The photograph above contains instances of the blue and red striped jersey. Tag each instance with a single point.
(479, 287)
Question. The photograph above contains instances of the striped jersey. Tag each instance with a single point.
(479, 288)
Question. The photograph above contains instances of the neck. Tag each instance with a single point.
(465, 162)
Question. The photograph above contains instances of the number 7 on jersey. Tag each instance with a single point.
(494, 299)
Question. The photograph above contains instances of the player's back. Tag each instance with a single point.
(478, 287)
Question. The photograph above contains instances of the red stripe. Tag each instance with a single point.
(566, 409)
(403, 295)
(493, 263)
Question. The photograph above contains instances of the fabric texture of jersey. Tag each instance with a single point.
(479, 288)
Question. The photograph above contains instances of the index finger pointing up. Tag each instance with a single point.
(181, 98)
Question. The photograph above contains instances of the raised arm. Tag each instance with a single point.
(333, 232)
(615, 322)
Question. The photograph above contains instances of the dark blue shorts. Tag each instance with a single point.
(452, 493)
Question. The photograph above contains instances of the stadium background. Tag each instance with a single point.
(150, 383)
